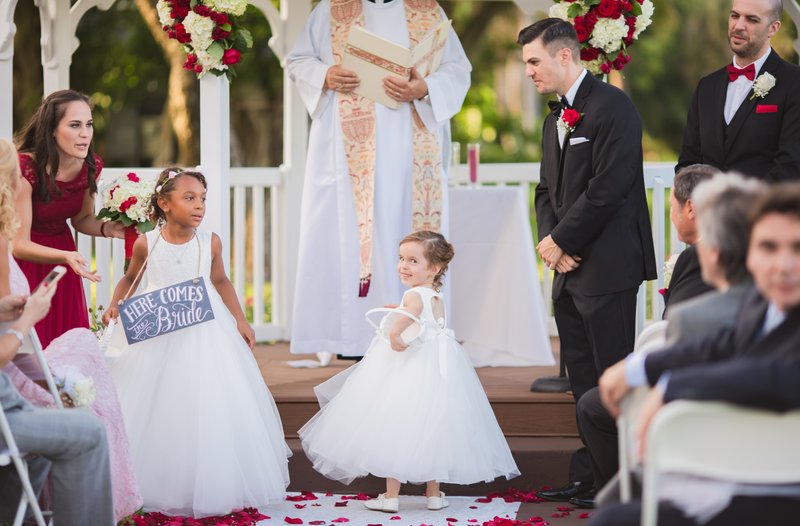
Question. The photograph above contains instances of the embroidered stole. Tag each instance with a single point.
(357, 117)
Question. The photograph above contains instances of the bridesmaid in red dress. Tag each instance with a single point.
(59, 174)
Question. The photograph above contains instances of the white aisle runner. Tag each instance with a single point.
(329, 510)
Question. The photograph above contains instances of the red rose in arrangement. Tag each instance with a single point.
(571, 118)
(231, 56)
(605, 29)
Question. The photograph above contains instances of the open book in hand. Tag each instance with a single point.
(373, 58)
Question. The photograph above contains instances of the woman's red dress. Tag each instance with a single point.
(49, 228)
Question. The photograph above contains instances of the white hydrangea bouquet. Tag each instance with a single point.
(127, 200)
(606, 29)
(209, 32)
(79, 388)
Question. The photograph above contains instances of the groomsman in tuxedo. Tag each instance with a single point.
(746, 116)
(591, 209)
(768, 327)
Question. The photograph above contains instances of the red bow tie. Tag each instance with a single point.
(734, 72)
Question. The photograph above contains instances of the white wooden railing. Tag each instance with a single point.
(254, 237)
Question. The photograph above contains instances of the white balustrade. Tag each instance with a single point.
(254, 229)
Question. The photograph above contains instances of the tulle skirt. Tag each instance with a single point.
(415, 416)
(205, 434)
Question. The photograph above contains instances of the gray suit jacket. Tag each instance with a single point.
(711, 311)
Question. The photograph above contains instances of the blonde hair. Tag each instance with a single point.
(9, 168)
(436, 250)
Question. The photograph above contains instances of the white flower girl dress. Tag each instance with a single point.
(416, 416)
(205, 434)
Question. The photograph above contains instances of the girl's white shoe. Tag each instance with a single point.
(383, 504)
(437, 503)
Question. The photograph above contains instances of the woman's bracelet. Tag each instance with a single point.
(102, 229)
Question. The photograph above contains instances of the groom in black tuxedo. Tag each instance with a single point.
(591, 209)
(733, 124)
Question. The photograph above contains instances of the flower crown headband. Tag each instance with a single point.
(172, 174)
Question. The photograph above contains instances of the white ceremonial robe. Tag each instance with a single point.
(328, 314)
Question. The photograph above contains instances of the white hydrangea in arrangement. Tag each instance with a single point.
(231, 7)
(127, 200)
(209, 32)
(605, 28)
(608, 34)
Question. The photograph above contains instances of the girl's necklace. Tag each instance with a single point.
(182, 253)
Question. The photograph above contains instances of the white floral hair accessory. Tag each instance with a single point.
(172, 174)
(762, 85)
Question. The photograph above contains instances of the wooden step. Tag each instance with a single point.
(519, 412)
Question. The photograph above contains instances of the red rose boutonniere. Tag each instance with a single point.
(569, 119)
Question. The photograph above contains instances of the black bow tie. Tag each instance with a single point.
(557, 105)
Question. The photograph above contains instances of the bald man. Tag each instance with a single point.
(739, 120)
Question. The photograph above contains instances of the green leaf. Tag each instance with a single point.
(125, 220)
(145, 226)
(247, 36)
(193, 4)
(575, 10)
(216, 50)
(227, 27)
(591, 3)
(636, 8)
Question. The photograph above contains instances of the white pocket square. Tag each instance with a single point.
(577, 140)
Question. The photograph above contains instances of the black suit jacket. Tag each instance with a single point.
(754, 382)
(687, 280)
(763, 138)
(591, 197)
(741, 340)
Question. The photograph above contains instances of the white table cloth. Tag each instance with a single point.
(496, 303)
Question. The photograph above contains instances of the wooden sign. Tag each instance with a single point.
(165, 310)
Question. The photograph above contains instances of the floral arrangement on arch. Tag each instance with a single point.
(209, 32)
(606, 29)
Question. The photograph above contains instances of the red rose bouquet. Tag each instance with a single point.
(606, 29)
(208, 31)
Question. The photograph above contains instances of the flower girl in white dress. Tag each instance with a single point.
(413, 410)
(205, 434)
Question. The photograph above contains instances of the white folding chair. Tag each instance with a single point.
(651, 338)
(719, 441)
(11, 454)
(38, 352)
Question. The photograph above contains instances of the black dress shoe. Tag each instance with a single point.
(586, 501)
(568, 491)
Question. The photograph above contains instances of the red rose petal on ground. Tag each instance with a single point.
(395, 518)
(451, 520)
(483, 500)
(564, 508)
(584, 515)
(317, 522)
(329, 494)
(299, 506)
(341, 519)
(291, 520)
(340, 504)
(473, 507)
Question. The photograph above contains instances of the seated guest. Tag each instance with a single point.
(768, 324)
(76, 349)
(721, 207)
(756, 382)
(598, 430)
(69, 444)
(686, 281)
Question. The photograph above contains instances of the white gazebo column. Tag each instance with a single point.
(57, 43)
(215, 156)
(7, 31)
(294, 14)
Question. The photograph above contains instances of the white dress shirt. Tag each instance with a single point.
(739, 88)
(570, 96)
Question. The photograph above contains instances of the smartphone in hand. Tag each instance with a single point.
(52, 277)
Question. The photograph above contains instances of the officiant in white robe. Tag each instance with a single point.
(328, 310)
